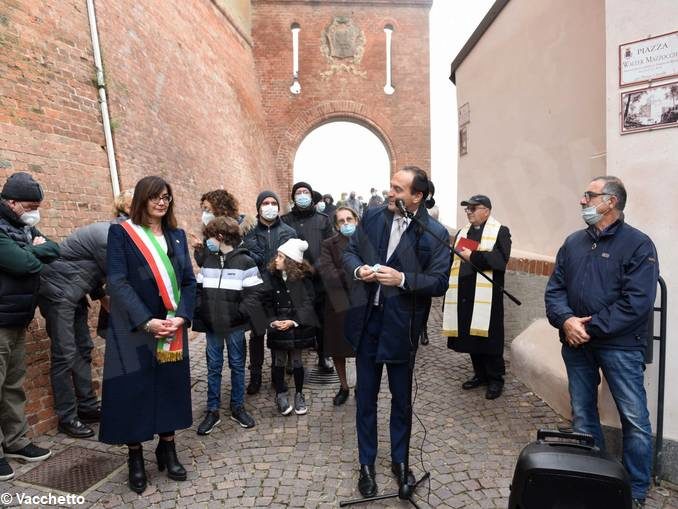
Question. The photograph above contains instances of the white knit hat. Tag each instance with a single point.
(294, 248)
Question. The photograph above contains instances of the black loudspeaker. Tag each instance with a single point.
(569, 472)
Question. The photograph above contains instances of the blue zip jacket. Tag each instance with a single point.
(612, 277)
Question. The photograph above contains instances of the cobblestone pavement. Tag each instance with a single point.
(470, 448)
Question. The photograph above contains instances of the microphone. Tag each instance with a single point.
(401, 207)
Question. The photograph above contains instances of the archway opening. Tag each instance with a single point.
(340, 157)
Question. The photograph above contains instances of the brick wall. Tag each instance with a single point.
(184, 103)
(401, 120)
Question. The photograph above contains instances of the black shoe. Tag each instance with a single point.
(424, 337)
(30, 453)
(398, 470)
(166, 454)
(6, 472)
(241, 416)
(209, 422)
(76, 429)
(367, 483)
(473, 383)
(137, 473)
(493, 391)
(255, 383)
(325, 365)
(90, 416)
(341, 397)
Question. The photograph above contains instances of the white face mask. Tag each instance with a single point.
(320, 206)
(269, 212)
(30, 218)
(207, 217)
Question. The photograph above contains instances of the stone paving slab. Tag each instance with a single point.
(469, 445)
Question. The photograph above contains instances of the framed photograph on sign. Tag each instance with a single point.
(463, 140)
(650, 108)
(648, 59)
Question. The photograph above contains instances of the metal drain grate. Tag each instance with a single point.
(73, 470)
(315, 377)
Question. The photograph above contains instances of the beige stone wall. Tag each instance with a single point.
(536, 92)
(647, 162)
(239, 11)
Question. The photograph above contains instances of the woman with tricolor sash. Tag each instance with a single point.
(146, 382)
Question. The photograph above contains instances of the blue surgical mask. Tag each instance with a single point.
(347, 229)
(303, 200)
(320, 206)
(590, 215)
(212, 245)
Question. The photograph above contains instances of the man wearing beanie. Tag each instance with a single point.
(313, 227)
(23, 251)
(263, 242)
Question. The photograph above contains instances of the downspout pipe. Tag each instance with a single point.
(101, 86)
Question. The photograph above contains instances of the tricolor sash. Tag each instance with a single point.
(482, 301)
(167, 349)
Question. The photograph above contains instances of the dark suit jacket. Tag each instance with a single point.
(141, 397)
(426, 264)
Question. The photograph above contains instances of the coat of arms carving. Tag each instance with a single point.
(343, 44)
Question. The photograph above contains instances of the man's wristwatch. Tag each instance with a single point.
(147, 326)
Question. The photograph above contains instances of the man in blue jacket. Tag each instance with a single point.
(600, 297)
(397, 267)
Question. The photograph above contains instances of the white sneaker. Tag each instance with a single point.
(300, 404)
(283, 403)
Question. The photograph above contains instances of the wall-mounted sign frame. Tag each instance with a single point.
(648, 60)
(464, 114)
(654, 107)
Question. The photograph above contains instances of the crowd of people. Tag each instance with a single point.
(350, 279)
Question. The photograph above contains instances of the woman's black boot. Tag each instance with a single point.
(137, 473)
(166, 454)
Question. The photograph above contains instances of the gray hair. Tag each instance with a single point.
(615, 187)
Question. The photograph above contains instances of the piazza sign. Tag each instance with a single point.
(648, 59)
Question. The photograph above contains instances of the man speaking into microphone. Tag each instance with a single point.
(397, 266)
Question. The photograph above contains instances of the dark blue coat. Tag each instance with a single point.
(610, 276)
(141, 397)
(418, 252)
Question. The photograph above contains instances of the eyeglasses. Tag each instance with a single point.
(588, 195)
(167, 198)
(472, 208)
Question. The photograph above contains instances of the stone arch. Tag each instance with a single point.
(323, 113)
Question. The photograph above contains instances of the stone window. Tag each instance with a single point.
(295, 88)
(388, 87)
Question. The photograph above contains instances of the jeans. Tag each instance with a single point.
(624, 372)
(235, 346)
(71, 347)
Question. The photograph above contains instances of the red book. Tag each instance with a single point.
(465, 243)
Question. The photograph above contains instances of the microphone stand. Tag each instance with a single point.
(410, 215)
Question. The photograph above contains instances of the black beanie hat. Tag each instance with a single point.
(266, 194)
(301, 184)
(20, 186)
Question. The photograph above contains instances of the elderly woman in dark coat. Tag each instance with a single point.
(146, 382)
(337, 292)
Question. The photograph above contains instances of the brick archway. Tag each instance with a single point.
(315, 117)
(347, 85)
